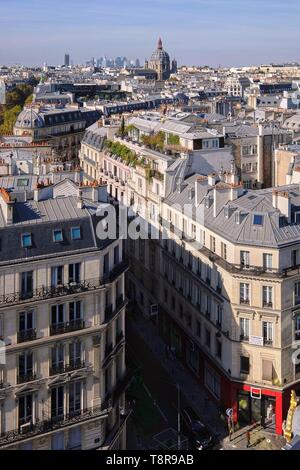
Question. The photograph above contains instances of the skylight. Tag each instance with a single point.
(258, 219)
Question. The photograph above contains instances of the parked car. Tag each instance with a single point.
(201, 437)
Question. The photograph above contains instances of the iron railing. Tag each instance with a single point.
(63, 368)
(44, 292)
(66, 327)
(26, 335)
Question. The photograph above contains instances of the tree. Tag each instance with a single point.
(122, 127)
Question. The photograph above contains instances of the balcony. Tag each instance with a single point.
(115, 272)
(26, 335)
(268, 342)
(267, 304)
(245, 301)
(108, 349)
(110, 312)
(52, 424)
(26, 377)
(64, 368)
(66, 327)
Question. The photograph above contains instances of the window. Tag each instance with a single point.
(57, 276)
(244, 329)
(245, 259)
(74, 398)
(218, 349)
(224, 250)
(212, 381)
(219, 315)
(57, 314)
(25, 409)
(75, 354)
(26, 321)
(267, 296)
(25, 367)
(74, 273)
(267, 261)
(58, 236)
(26, 240)
(57, 358)
(244, 365)
(57, 402)
(27, 284)
(268, 333)
(75, 311)
(207, 338)
(297, 327)
(198, 329)
(106, 264)
(294, 257)
(75, 233)
(22, 182)
(258, 219)
(244, 293)
(116, 254)
(212, 243)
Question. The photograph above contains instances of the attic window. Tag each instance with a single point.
(22, 182)
(76, 233)
(26, 240)
(258, 219)
(58, 235)
(226, 212)
(297, 217)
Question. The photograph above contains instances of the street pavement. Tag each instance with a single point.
(161, 373)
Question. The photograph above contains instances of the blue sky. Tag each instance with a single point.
(226, 32)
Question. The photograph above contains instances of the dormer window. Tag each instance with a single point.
(58, 235)
(76, 233)
(258, 219)
(26, 240)
(226, 212)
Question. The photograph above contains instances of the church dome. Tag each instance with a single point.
(29, 119)
(160, 55)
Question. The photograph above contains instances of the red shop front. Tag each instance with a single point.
(257, 405)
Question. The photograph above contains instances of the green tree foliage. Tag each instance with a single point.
(15, 101)
(155, 142)
(126, 155)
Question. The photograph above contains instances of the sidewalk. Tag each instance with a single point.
(194, 394)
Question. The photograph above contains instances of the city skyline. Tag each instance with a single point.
(196, 32)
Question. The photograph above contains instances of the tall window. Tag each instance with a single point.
(297, 293)
(267, 296)
(26, 321)
(297, 327)
(25, 409)
(294, 257)
(75, 310)
(212, 243)
(75, 398)
(57, 314)
(57, 276)
(268, 333)
(244, 329)
(219, 315)
(267, 261)
(244, 293)
(224, 250)
(75, 353)
(74, 273)
(27, 284)
(245, 259)
(57, 402)
(106, 264)
(25, 367)
(57, 358)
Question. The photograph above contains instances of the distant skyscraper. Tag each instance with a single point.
(137, 63)
(67, 60)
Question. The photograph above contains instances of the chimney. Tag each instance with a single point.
(80, 200)
(281, 200)
(212, 179)
(7, 206)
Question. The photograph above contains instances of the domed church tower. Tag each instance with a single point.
(160, 62)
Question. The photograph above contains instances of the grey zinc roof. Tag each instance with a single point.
(40, 219)
(259, 202)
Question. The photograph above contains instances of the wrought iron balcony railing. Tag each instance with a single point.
(41, 427)
(44, 292)
(63, 368)
(26, 377)
(26, 335)
(66, 327)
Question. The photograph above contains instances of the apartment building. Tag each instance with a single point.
(62, 319)
(228, 307)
